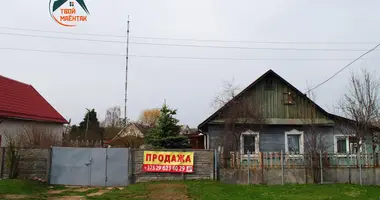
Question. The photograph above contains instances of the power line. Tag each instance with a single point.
(63, 52)
(244, 59)
(186, 39)
(46, 31)
(345, 67)
(182, 57)
(251, 48)
(247, 41)
(185, 45)
(62, 38)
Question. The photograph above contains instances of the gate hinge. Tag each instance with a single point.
(106, 156)
(106, 178)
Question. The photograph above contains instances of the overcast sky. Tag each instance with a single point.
(72, 83)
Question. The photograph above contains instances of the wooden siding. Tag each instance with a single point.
(272, 138)
(273, 105)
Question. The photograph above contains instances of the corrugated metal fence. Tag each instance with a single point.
(90, 166)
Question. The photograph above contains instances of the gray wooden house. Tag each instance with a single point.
(286, 127)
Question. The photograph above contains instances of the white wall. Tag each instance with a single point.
(14, 127)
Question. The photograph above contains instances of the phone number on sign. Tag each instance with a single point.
(168, 168)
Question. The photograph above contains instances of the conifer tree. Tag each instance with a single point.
(166, 133)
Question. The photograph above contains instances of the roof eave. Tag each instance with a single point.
(58, 121)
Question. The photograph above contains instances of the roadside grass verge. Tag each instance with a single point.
(186, 190)
(209, 190)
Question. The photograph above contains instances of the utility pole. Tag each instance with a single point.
(126, 77)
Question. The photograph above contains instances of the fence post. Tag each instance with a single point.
(360, 169)
(312, 167)
(215, 165)
(49, 164)
(131, 166)
(262, 167)
(282, 168)
(321, 165)
(248, 162)
(2, 161)
(106, 165)
(183, 174)
(349, 168)
(304, 166)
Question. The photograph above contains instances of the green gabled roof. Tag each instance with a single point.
(210, 119)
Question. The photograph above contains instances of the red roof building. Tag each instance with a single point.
(21, 101)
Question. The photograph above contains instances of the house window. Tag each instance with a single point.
(294, 142)
(289, 98)
(347, 144)
(341, 145)
(249, 141)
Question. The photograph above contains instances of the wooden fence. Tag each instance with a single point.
(279, 160)
(83, 143)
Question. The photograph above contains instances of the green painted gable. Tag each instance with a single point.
(281, 103)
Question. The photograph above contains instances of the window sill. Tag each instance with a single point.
(344, 155)
(253, 155)
(294, 155)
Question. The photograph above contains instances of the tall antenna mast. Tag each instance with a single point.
(126, 77)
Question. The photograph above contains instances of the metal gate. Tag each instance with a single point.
(90, 166)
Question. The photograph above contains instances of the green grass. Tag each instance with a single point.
(211, 190)
(202, 190)
(216, 190)
(14, 186)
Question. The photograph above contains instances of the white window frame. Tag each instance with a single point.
(336, 144)
(301, 142)
(257, 142)
(348, 145)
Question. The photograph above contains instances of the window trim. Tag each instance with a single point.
(336, 144)
(257, 142)
(301, 142)
(348, 145)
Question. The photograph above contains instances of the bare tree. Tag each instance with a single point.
(361, 104)
(29, 136)
(229, 91)
(240, 115)
(14, 143)
(113, 117)
(314, 140)
(40, 137)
